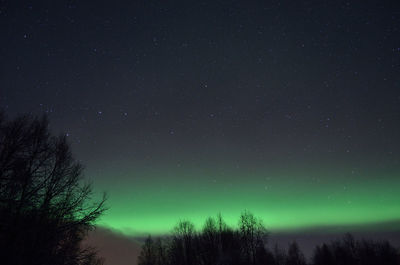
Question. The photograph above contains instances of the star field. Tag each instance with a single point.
(187, 109)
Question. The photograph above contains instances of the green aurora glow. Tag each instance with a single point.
(284, 200)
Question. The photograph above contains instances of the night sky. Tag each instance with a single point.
(184, 109)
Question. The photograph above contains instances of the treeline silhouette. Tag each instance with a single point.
(218, 244)
(45, 208)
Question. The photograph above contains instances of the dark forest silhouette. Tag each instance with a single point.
(218, 244)
(45, 208)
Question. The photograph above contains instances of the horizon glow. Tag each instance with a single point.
(284, 200)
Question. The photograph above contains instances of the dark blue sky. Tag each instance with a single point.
(200, 89)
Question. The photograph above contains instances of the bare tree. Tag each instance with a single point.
(183, 243)
(210, 242)
(295, 256)
(153, 252)
(253, 234)
(45, 208)
(349, 251)
(148, 255)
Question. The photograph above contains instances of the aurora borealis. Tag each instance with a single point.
(186, 110)
(282, 203)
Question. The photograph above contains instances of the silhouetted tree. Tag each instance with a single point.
(218, 244)
(252, 233)
(45, 209)
(323, 256)
(182, 249)
(215, 244)
(210, 242)
(294, 255)
(148, 254)
(345, 251)
(355, 252)
(161, 253)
